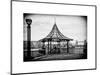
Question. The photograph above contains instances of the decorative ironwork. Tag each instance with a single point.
(55, 36)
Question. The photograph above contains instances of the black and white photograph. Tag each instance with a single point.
(54, 37)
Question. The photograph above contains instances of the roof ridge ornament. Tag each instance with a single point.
(54, 20)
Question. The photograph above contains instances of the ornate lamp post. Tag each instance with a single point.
(28, 21)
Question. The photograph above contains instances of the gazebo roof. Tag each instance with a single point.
(55, 34)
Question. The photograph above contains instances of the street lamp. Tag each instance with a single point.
(28, 21)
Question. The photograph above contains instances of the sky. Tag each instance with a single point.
(72, 26)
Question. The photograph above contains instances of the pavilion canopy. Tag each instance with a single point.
(55, 35)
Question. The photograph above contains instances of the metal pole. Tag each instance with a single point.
(67, 46)
(48, 47)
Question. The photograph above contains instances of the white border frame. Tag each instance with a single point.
(18, 66)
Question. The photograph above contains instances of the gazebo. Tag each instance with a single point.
(53, 40)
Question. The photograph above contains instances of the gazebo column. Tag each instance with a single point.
(47, 49)
(43, 44)
(67, 46)
(50, 45)
(43, 47)
(59, 46)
